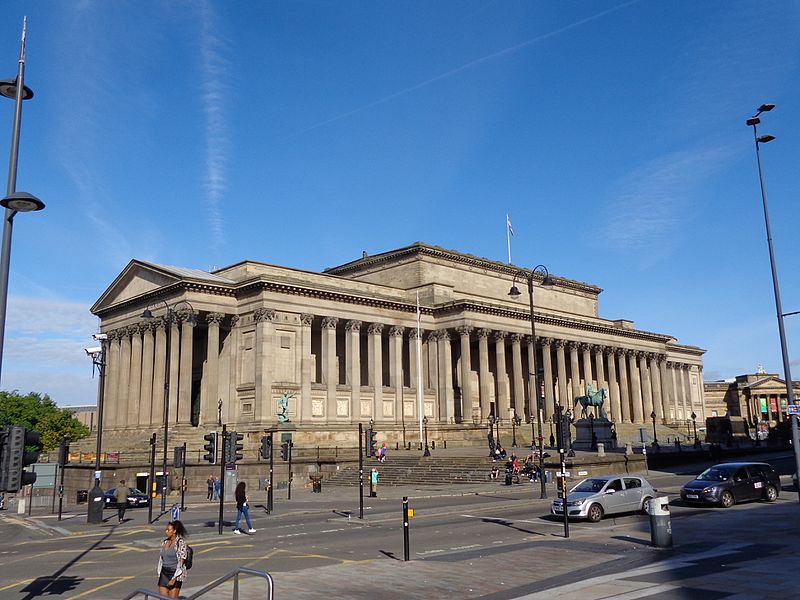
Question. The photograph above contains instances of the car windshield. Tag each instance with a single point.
(716, 474)
(135, 492)
(590, 485)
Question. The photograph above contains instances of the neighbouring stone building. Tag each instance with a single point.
(345, 346)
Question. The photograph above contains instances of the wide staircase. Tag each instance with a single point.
(636, 432)
(414, 469)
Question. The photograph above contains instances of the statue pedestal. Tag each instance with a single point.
(584, 428)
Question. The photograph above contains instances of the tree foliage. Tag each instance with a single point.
(39, 413)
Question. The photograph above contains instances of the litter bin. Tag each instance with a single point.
(660, 525)
(548, 477)
(316, 484)
(82, 496)
(509, 476)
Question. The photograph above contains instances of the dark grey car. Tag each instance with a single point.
(728, 483)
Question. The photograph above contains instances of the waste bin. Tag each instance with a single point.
(82, 496)
(509, 476)
(316, 484)
(548, 477)
(660, 524)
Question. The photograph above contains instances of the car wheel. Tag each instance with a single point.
(595, 513)
(643, 507)
(726, 500)
(771, 493)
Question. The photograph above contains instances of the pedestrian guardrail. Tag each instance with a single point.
(147, 594)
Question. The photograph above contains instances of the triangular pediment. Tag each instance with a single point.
(136, 279)
(768, 382)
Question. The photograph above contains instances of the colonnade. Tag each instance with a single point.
(348, 369)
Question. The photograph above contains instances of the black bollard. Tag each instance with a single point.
(405, 529)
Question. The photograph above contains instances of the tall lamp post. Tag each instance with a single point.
(787, 373)
(514, 424)
(694, 427)
(14, 201)
(425, 426)
(169, 317)
(528, 275)
(655, 435)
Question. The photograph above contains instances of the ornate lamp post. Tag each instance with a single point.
(169, 318)
(787, 373)
(534, 386)
(694, 426)
(425, 427)
(655, 436)
(514, 424)
(569, 433)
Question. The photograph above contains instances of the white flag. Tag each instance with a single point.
(508, 224)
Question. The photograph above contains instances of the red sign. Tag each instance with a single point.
(773, 404)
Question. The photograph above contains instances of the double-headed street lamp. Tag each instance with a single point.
(529, 275)
(787, 373)
(14, 201)
(169, 318)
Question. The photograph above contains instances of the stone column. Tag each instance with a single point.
(396, 369)
(598, 367)
(483, 373)
(146, 402)
(655, 375)
(264, 408)
(353, 362)
(231, 407)
(561, 364)
(375, 376)
(123, 386)
(614, 393)
(433, 373)
(587, 369)
(687, 393)
(547, 367)
(574, 372)
(664, 385)
(636, 389)
(306, 364)
(330, 365)
(516, 365)
(647, 389)
(111, 393)
(135, 382)
(624, 390)
(503, 398)
(185, 375)
(466, 369)
(159, 372)
(210, 396)
(413, 363)
(174, 342)
(446, 395)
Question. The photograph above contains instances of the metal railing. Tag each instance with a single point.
(214, 584)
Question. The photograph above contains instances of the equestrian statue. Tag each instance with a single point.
(592, 399)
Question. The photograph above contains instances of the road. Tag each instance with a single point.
(304, 538)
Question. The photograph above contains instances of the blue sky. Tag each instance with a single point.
(301, 133)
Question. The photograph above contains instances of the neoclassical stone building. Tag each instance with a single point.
(343, 344)
(758, 397)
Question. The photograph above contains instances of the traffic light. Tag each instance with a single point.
(233, 448)
(63, 453)
(266, 446)
(210, 447)
(372, 443)
(285, 450)
(178, 459)
(14, 458)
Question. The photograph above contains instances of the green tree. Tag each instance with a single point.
(38, 412)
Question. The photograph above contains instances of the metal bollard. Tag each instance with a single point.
(660, 524)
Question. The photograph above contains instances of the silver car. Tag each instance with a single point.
(605, 495)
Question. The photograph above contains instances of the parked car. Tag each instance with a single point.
(794, 481)
(728, 483)
(133, 498)
(595, 497)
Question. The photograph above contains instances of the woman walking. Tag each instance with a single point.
(171, 572)
(242, 508)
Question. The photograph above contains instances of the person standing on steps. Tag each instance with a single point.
(242, 508)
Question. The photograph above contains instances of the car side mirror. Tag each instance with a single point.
(610, 491)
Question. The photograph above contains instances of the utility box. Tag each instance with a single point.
(96, 504)
(660, 523)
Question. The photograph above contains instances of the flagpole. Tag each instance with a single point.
(508, 237)
(419, 371)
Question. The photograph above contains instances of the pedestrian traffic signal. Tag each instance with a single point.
(210, 447)
(233, 449)
(372, 443)
(266, 446)
(285, 450)
(14, 458)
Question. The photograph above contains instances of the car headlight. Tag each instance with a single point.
(575, 502)
(710, 489)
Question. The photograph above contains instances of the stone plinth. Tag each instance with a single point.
(584, 428)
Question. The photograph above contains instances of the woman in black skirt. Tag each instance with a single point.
(171, 572)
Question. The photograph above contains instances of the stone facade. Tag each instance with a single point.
(345, 346)
(759, 398)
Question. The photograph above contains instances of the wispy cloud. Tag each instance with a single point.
(216, 89)
(469, 65)
(647, 206)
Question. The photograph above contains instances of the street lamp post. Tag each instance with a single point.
(534, 386)
(694, 427)
(787, 373)
(655, 436)
(571, 452)
(425, 427)
(14, 201)
(514, 424)
(168, 319)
